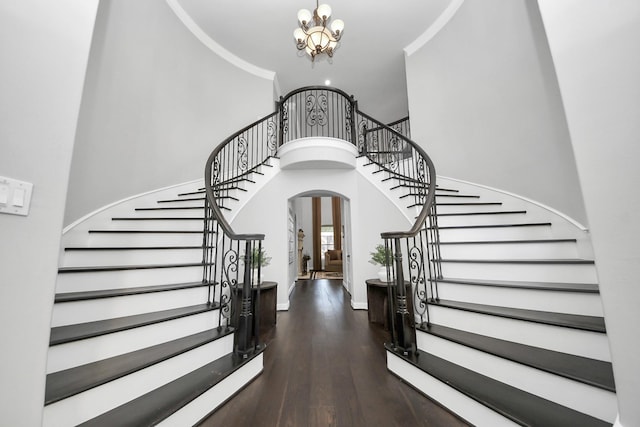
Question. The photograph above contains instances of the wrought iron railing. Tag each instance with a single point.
(330, 113)
(232, 265)
(416, 269)
(401, 126)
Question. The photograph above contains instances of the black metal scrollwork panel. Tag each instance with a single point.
(243, 156)
(418, 281)
(393, 157)
(362, 132)
(316, 109)
(272, 135)
(229, 281)
(285, 117)
(347, 124)
(215, 176)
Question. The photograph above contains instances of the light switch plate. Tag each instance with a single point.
(15, 196)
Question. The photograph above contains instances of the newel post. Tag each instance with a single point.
(403, 319)
(244, 332)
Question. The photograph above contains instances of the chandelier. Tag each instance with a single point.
(318, 38)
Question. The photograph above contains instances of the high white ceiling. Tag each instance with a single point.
(368, 64)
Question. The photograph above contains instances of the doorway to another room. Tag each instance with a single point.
(322, 237)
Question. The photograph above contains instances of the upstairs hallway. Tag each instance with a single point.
(325, 366)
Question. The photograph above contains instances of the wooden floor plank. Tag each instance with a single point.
(325, 365)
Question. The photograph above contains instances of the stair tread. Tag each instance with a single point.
(568, 261)
(191, 193)
(525, 224)
(523, 241)
(128, 248)
(575, 321)
(68, 382)
(87, 269)
(589, 371)
(155, 218)
(148, 231)
(169, 208)
(517, 405)
(551, 286)
(69, 333)
(481, 213)
(157, 405)
(108, 293)
(468, 203)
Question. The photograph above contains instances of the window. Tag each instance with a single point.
(326, 238)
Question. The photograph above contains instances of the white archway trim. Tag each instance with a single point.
(434, 28)
(217, 48)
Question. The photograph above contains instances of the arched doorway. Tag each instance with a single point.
(322, 224)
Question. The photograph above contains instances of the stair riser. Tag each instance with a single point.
(69, 355)
(566, 340)
(461, 405)
(91, 403)
(216, 396)
(561, 250)
(572, 394)
(495, 233)
(444, 209)
(139, 239)
(180, 202)
(69, 313)
(98, 280)
(444, 221)
(562, 273)
(196, 214)
(97, 258)
(155, 224)
(529, 299)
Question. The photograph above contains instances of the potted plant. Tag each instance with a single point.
(258, 258)
(382, 256)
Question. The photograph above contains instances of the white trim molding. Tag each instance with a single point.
(517, 196)
(117, 202)
(199, 33)
(434, 28)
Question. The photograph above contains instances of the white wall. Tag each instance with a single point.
(484, 103)
(304, 215)
(596, 51)
(155, 103)
(266, 213)
(44, 51)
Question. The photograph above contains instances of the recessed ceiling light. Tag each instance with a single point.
(327, 82)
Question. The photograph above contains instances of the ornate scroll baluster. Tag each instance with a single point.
(316, 107)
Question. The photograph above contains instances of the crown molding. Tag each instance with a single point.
(434, 28)
(204, 38)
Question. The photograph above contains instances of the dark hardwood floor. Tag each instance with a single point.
(325, 365)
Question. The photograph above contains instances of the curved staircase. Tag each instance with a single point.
(508, 329)
(137, 336)
(516, 333)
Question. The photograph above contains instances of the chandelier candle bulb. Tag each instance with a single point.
(304, 16)
(324, 11)
(337, 26)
